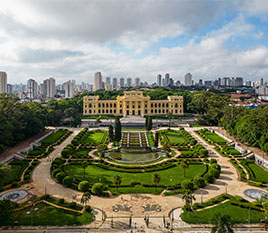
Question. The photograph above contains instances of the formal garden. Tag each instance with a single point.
(21, 170)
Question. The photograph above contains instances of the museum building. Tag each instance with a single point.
(132, 103)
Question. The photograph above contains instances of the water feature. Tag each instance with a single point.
(14, 195)
(255, 193)
(134, 148)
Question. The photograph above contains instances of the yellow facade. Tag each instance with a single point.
(132, 103)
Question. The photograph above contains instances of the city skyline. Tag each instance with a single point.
(209, 39)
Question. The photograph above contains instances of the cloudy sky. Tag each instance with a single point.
(73, 39)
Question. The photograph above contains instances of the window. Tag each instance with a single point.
(99, 105)
(152, 111)
(114, 105)
(176, 105)
(155, 105)
(152, 105)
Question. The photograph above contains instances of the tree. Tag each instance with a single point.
(199, 181)
(111, 133)
(97, 188)
(85, 198)
(169, 116)
(84, 166)
(149, 123)
(60, 176)
(6, 208)
(68, 180)
(4, 172)
(83, 186)
(222, 224)
(184, 165)
(187, 184)
(156, 139)
(188, 197)
(117, 129)
(117, 181)
(156, 180)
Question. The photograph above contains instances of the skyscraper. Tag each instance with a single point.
(122, 82)
(129, 82)
(137, 82)
(158, 80)
(108, 80)
(9, 88)
(114, 83)
(97, 81)
(3, 82)
(49, 88)
(69, 88)
(32, 89)
(188, 79)
(167, 80)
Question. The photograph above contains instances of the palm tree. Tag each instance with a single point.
(84, 166)
(222, 224)
(85, 198)
(184, 165)
(117, 181)
(188, 197)
(156, 180)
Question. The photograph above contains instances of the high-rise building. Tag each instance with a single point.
(114, 83)
(137, 82)
(158, 80)
(3, 82)
(129, 83)
(49, 88)
(9, 88)
(167, 80)
(108, 79)
(200, 83)
(248, 83)
(188, 79)
(171, 82)
(69, 87)
(122, 82)
(97, 81)
(32, 89)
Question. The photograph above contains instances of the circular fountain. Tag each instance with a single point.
(14, 195)
(255, 193)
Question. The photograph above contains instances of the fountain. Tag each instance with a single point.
(255, 193)
(14, 195)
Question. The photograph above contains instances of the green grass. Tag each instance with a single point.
(50, 216)
(260, 174)
(215, 137)
(151, 139)
(136, 189)
(231, 150)
(94, 137)
(52, 138)
(13, 175)
(175, 138)
(96, 174)
(237, 214)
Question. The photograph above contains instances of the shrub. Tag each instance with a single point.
(75, 141)
(199, 181)
(213, 161)
(61, 201)
(45, 197)
(83, 186)
(209, 178)
(60, 176)
(68, 180)
(72, 205)
(203, 153)
(97, 188)
(88, 209)
(187, 184)
(216, 166)
(214, 172)
(55, 172)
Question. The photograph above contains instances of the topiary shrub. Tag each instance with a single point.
(209, 178)
(199, 181)
(60, 176)
(216, 166)
(214, 172)
(83, 186)
(203, 153)
(88, 209)
(61, 201)
(68, 180)
(213, 161)
(97, 188)
(55, 172)
(187, 184)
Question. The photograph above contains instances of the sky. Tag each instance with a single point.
(73, 39)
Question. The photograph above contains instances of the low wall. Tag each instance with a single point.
(241, 149)
(260, 160)
(223, 136)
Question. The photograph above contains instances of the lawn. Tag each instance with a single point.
(151, 139)
(214, 137)
(261, 175)
(170, 176)
(175, 137)
(94, 137)
(54, 137)
(50, 216)
(231, 150)
(16, 170)
(237, 214)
